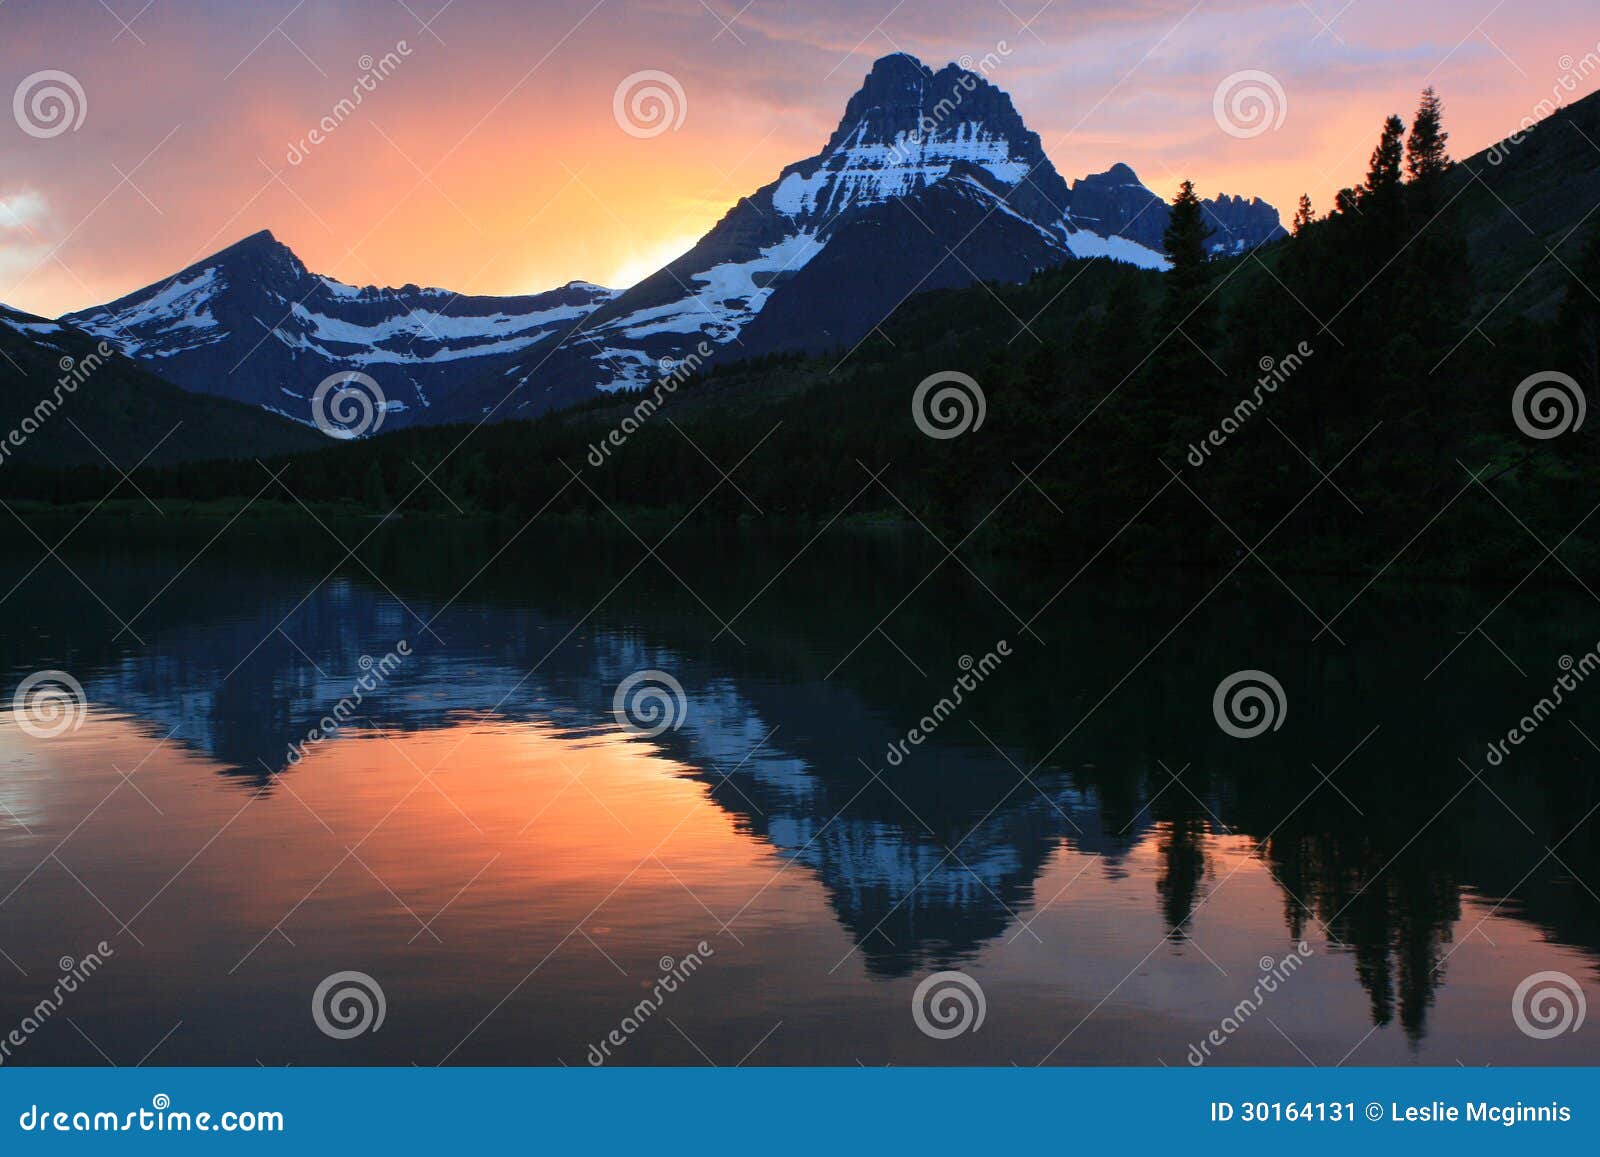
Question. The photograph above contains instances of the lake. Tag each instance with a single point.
(285, 766)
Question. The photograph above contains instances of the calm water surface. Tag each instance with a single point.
(512, 866)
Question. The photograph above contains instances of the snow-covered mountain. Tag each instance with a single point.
(253, 324)
(69, 399)
(930, 181)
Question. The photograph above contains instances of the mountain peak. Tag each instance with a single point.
(261, 241)
(923, 118)
(1117, 174)
(260, 250)
(896, 66)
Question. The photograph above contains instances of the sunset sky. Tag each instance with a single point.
(490, 161)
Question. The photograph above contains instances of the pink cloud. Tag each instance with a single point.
(489, 160)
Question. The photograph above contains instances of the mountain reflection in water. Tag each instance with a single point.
(484, 838)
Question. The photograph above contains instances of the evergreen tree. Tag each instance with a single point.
(1383, 173)
(1303, 216)
(1186, 332)
(1185, 239)
(1381, 198)
(1426, 157)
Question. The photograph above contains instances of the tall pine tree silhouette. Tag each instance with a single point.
(1379, 198)
(1303, 216)
(1182, 368)
(1426, 157)
(1185, 238)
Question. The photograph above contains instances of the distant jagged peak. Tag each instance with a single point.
(1117, 176)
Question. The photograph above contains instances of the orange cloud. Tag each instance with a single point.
(488, 158)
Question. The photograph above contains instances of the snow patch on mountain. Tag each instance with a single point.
(432, 324)
(31, 327)
(184, 304)
(728, 296)
(863, 172)
(1086, 244)
(628, 368)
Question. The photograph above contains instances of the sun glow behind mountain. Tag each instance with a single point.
(642, 264)
(489, 158)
